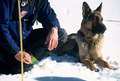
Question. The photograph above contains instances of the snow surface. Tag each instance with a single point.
(67, 68)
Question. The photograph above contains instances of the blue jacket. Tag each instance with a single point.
(9, 29)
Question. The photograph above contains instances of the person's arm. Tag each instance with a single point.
(6, 41)
(47, 16)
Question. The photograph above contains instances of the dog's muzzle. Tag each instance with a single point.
(99, 28)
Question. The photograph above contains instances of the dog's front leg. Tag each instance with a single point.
(103, 63)
(88, 63)
(85, 57)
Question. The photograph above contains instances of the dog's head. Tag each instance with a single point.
(92, 20)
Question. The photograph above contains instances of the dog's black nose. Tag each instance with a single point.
(103, 28)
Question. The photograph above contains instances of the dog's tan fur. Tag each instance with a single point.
(89, 41)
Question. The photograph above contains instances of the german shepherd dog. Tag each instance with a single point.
(87, 43)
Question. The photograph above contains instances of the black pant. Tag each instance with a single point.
(35, 44)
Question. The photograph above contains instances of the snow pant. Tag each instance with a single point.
(35, 44)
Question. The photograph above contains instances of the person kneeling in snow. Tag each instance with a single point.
(36, 43)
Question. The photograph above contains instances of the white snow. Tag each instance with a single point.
(67, 68)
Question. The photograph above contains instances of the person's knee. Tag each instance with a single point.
(62, 35)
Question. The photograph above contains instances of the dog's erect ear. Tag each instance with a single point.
(86, 9)
(99, 8)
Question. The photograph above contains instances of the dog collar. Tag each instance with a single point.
(83, 35)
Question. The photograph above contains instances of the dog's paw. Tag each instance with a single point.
(97, 70)
(113, 68)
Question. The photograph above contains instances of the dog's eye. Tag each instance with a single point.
(95, 19)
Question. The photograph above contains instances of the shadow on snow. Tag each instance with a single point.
(58, 79)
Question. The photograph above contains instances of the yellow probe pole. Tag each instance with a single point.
(21, 43)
